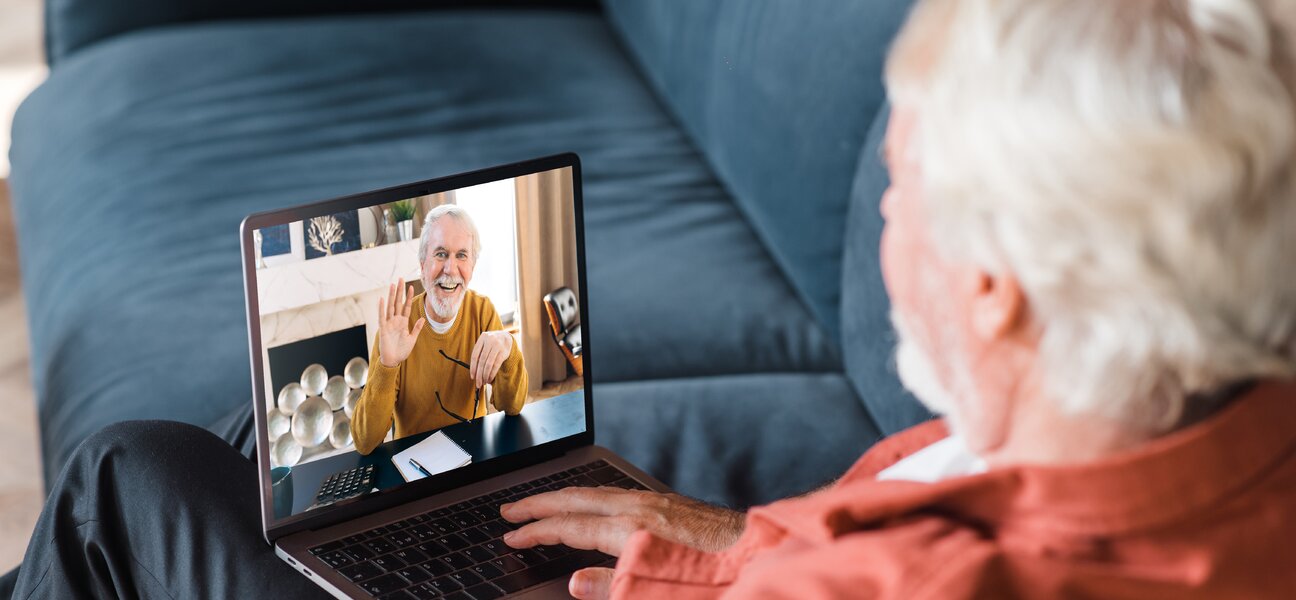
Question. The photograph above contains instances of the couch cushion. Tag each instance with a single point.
(868, 340)
(778, 95)
(134, 163)
(73, 24)
(791, 433)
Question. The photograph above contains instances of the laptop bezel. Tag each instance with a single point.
(327, 516)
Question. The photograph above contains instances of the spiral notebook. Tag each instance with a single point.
(437, 454)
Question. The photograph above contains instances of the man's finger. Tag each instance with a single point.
(487, 369)
(500, 352)
(589, 500)
(474, 360)
(594, 583)
(481, 368)
(476, 368)
(409, 302)
(391, 302)
(505, 351)
(497, 362)
(585, 532)
(418, 326)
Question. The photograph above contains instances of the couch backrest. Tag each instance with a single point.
(868, 341)
(73, 24)
(778, 95)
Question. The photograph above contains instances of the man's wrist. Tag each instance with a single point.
(728, 528)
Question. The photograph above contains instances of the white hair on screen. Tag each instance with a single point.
(457, 212)
(1130, 162)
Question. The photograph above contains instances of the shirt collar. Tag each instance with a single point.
(1161, 481)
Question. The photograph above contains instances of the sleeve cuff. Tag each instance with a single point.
(379, 371)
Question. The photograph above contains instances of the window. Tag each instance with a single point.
(492, 206)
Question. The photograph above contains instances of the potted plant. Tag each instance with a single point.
(402, 212)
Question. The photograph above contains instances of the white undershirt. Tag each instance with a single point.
(947, 458)
(440, 328)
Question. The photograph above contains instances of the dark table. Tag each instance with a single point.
(494, 435)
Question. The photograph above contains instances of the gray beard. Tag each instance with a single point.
(445, 309)
(916, 371)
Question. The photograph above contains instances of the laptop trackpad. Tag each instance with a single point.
(554, 589)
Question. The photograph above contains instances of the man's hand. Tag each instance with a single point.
(492, 348)
(395, 336)
(603, 518)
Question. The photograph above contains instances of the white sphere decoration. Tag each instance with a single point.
(348, 407)
(286, 451)
(290, 397)
(340, 437)
(356, 372)
(335, 392)
(312, 423)
(313, 379)
(277, 423)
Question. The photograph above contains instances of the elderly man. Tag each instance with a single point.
(425, 380)
(1090, 254)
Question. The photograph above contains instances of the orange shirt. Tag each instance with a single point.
(1205, 512)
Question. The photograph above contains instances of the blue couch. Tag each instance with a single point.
(731, 184)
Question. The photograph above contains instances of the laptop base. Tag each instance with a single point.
(367, 561)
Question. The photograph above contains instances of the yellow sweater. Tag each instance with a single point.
(406, 392)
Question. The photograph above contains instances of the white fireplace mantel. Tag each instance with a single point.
(307, 282)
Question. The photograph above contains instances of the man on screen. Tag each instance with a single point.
(425, 380)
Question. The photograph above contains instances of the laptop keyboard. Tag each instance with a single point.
(456, 552)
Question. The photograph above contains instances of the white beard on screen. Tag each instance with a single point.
(445, 308)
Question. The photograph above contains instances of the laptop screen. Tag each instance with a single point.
(408, 338)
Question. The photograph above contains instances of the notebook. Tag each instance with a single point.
(437, 454)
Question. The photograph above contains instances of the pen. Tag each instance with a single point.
(420, 468)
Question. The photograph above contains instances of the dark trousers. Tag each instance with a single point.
(157, 509)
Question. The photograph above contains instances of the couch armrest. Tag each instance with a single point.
(73, 24)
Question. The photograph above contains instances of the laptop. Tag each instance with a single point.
(385, 482)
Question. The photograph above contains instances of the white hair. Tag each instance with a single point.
(457, 212)
(1131, 164)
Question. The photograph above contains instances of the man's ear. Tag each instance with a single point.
(998, 304)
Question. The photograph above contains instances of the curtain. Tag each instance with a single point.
(425, 204)
(546, 246)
